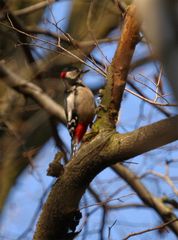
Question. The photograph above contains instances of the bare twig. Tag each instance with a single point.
(69, 53)
(150, 88)
(151, 101)
(150, 229)
(165, 212)
(140, 93)
(33, 8)
(158, 84)
(80, 44)
(74, 43)
(110, 228)
(104, 203)
(16, 24)
(166, 178)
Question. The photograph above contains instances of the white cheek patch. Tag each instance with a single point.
(72, 74)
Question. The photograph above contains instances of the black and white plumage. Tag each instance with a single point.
(79, 105)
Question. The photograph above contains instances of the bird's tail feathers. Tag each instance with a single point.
(74, 146)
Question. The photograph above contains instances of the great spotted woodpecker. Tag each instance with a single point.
(79, 105)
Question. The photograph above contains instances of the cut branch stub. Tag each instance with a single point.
(123, 55)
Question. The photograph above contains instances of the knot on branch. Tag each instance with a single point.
(55, 168)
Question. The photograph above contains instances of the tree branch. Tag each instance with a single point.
(162, 226)
(32, 90)
(104, 150)
(60, 215)
(162, 110)
(118, 71)
(164, 211)
(123, 55)
(144, 139)
(33, 8)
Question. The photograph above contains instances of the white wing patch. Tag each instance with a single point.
(72, 118)
(70, 105)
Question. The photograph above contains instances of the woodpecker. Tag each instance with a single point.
(79, 105)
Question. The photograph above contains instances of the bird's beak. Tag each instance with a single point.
(83, 72)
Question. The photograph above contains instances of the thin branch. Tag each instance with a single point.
(33, 8)
(100, 203)
(69, 53)
(141, 94)
(158, 84)
(74, 43)
(164, 211)
(16, 24)
(150, 88)
(153, 102)
(80, 44)
(103, 220)
(110, 228)
(166, 178)
(127, 206)
(150, 229)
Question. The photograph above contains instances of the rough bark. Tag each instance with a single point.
(104, 150)
(123, 56)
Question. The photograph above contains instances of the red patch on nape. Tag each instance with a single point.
(80, 131)
(63, 74)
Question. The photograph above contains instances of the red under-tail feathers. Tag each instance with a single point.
(79, 132)
(77, 137)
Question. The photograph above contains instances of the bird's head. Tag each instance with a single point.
(72, 73)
